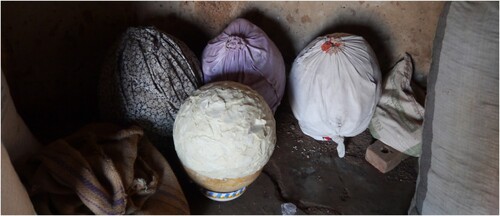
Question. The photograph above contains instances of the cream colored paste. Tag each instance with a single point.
(224, 130)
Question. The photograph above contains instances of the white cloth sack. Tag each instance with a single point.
(397, 121)
(334, 87)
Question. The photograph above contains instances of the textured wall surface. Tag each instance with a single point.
(52, 52)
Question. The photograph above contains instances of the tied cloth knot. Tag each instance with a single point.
(340, 144)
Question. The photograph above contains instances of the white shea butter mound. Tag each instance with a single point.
(224, 130)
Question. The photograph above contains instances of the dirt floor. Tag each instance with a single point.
(309, 174)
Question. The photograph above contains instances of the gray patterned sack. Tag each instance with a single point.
(147, 79)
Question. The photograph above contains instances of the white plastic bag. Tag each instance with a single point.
(398, 119)
(334, 87)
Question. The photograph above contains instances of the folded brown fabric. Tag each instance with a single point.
(105, 169)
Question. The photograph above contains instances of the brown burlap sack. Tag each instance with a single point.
(104, 169)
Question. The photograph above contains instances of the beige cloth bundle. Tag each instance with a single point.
(104, 169)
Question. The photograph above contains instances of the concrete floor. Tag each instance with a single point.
(52, 53)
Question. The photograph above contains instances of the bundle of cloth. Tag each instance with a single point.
(146, 79)
(105, 169)
(334, 87)
(244, 53)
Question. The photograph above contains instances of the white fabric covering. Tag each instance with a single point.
(334, 87)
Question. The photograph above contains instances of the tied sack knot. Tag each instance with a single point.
(332, 45)
(235, 43)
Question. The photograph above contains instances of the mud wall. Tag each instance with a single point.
(52, 51)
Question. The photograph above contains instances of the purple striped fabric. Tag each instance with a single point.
(95, 171)
(92, 192)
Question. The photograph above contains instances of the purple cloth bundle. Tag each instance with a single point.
(243, 53)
